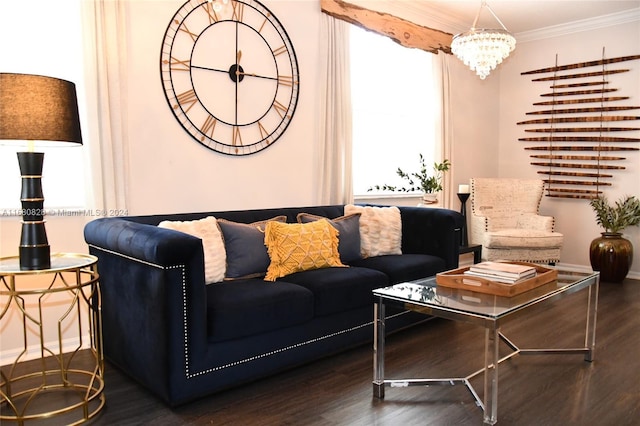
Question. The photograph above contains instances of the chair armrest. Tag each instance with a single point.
(497, 223)
(481, 224)
(477, 227)
(532, 221)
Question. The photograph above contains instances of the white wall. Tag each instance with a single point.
(171, 172)
(475, 110)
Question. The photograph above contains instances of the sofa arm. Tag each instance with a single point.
(153, 299)
(432, 231)
(141, 241)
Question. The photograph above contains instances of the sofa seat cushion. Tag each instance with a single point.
(522, 238)
(403, 267)
(339, 289)
(242, 308)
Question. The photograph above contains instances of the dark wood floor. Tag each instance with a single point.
(534, 390)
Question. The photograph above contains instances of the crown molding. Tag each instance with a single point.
(624, 17)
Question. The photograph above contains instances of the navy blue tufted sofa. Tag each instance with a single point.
(183, 339)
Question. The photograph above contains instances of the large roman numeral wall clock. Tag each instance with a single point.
(230, 74)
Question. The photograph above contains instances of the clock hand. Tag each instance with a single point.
(238, 67)
(209, 69)
(256, 75)
(237, 72)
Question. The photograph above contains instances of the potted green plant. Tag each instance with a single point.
(611, 254)
(422, 180)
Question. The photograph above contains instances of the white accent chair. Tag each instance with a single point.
(505, 220)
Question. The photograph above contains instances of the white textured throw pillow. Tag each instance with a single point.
(215, 256)
(380, 229)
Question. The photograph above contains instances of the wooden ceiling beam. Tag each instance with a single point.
(399, 30)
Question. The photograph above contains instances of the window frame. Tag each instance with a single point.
(425, 143)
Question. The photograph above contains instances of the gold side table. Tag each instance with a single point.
(64, 386)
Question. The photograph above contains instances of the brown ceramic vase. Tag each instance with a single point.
(611, 254)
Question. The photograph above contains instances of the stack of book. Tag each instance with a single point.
(507, 273)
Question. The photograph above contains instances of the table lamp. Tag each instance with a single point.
(36, 111)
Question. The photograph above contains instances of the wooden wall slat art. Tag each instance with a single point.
(577, 175)
(583, 148)
(582, 101)
(557, 173)
(574, 110)
(585, 74)
(576, 157)
(587, 84)
(584, 64)
(579, 92)
(583, 129)
(580, 139)
(580, 119)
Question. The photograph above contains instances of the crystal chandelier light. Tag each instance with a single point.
(481, 49)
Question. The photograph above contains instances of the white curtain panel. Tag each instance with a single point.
(443, 129)
(334, 155)
(104, 22)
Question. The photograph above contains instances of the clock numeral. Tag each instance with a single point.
(179, 65)
(237, 137)
(280, 109)
(238, 11)
(280, 50)
(184, 28)
(286, 80)
(209, 124)
(263, 131)
(188, 98)
(213, 16)
(267, 16)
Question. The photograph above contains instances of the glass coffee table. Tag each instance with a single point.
(488, 311)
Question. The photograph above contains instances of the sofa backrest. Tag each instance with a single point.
(245, 216)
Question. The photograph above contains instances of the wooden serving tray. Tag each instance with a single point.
(456, 279)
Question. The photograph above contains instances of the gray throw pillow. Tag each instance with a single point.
(349, 234)
(247, 255)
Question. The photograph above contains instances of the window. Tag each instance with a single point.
(392, 94)
(55, 50)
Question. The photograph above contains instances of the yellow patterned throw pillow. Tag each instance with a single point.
(296, 247)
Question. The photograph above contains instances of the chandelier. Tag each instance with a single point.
(481, 49)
